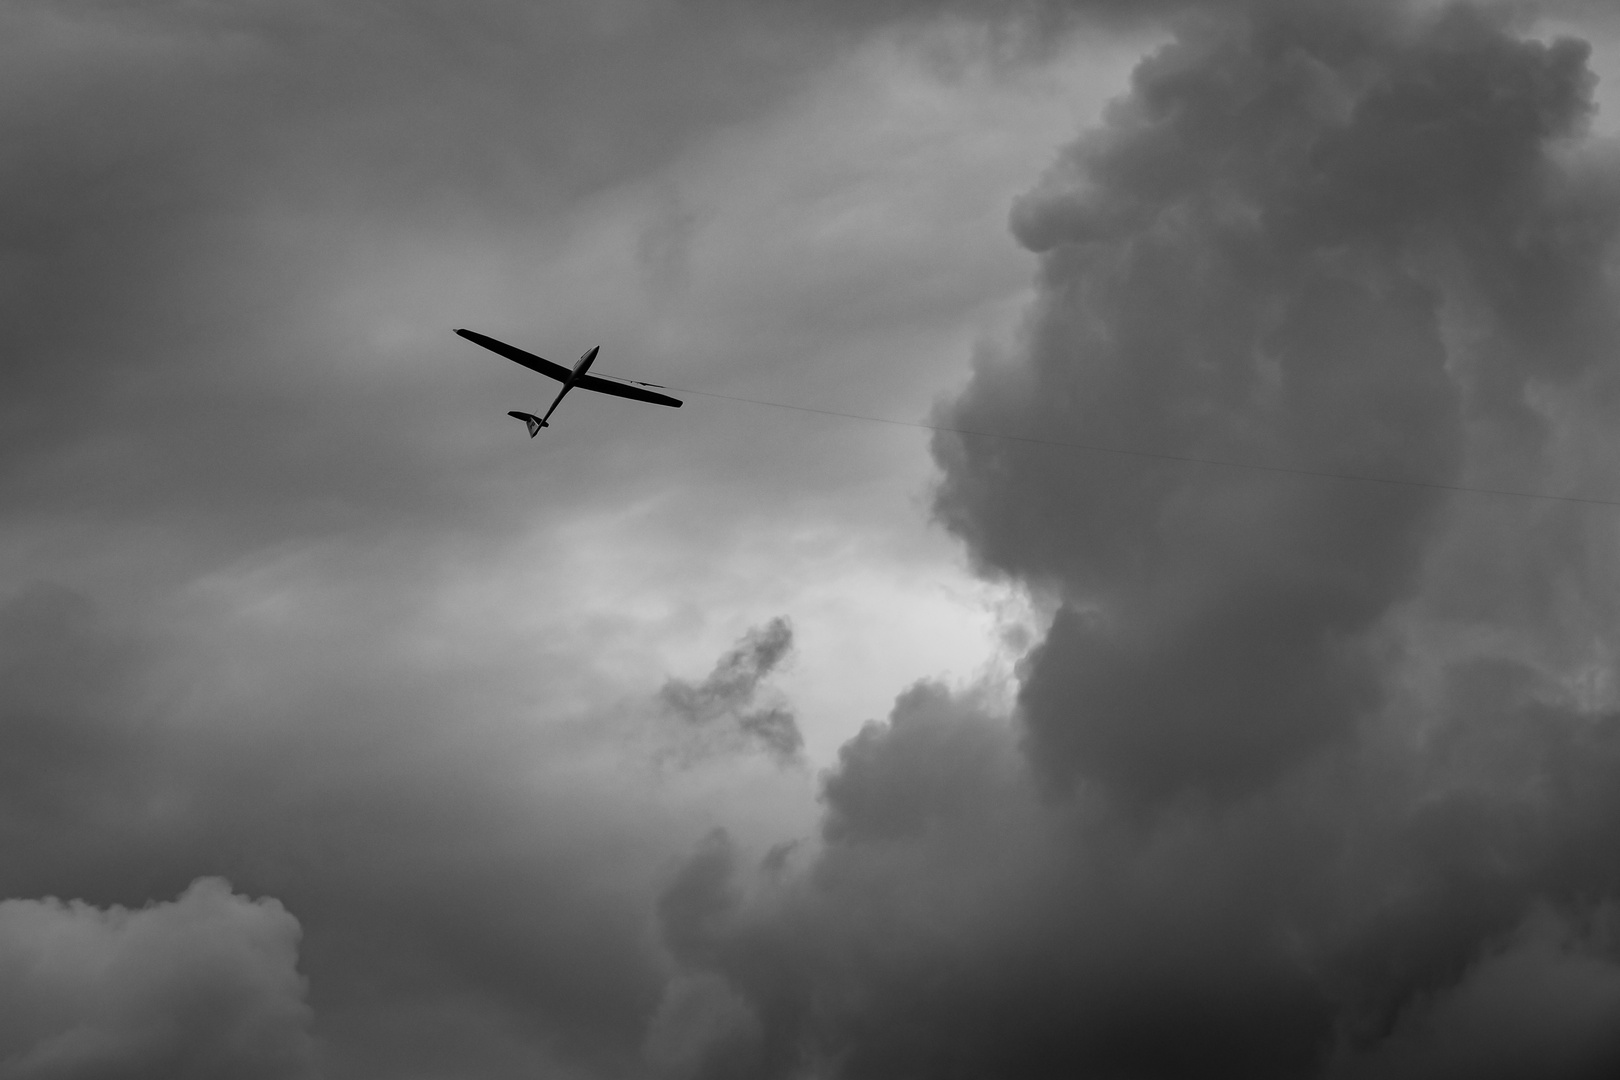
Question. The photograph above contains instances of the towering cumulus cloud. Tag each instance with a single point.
(1309, 776)
(1253, 263)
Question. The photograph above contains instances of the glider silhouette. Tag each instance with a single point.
(569, 377)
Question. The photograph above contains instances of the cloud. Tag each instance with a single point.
(730, 691)
(1307, 777)
(63, 674)
(1234, 268)
(953, 923)
(1291, 766)
(1542, 1003)
(205, 985)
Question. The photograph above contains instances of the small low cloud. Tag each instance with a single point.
(203, 986)
(730, 707)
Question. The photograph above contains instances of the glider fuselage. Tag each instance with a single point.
(581, 366)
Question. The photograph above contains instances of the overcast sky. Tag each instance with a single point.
(347, 732)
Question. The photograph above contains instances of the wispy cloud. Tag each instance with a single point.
(730, 695)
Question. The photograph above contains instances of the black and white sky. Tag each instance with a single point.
(347, 733)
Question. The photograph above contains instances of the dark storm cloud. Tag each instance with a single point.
(1402, 913)
(1230, 273)
(1540, 1004)
(1307, 777)
(952, 927)
(729, 694)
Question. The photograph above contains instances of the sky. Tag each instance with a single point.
(346, 732)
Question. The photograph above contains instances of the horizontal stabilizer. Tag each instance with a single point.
(534, 422)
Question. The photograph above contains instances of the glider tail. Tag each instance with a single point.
(534, 422)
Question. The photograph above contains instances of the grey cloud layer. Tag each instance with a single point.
(197, 195)
(226, 497)
(1291, 789)
(1307, 777)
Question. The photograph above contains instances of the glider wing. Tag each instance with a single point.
(517, 355)
(624, 390)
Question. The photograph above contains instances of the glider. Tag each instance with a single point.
(569, 377)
